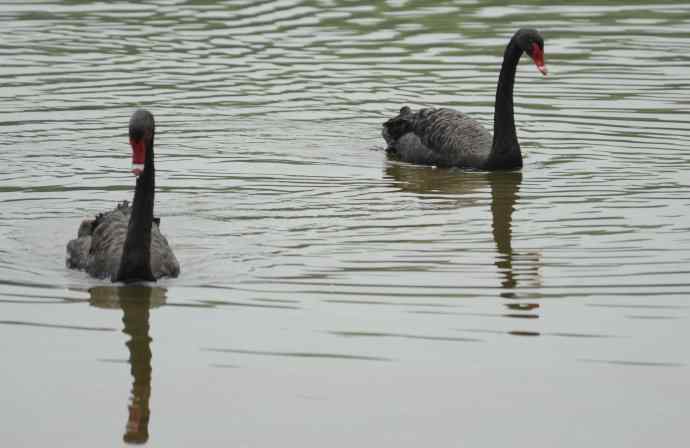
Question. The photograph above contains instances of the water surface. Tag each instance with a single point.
(330, 296)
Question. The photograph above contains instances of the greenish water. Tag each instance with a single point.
(330, 296)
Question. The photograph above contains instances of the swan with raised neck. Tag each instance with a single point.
(445, 137)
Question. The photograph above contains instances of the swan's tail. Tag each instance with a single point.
(78, 251)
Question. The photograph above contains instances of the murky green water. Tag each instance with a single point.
(329, 296)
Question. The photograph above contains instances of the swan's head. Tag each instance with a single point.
(531, 42)
(141, 130)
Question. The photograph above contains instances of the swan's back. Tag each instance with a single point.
(99, 243)
(441, 137)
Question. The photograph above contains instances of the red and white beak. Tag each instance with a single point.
(538, 58)
(138, 156)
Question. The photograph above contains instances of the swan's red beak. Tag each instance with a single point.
(538, 58)
(138, 156)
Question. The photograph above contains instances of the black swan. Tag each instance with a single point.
(448, 138)
(125, 244)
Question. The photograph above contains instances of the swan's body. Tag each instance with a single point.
(441, 137)
(125, 244)
(98, 246)
(445, 137)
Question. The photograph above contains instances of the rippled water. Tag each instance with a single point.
(330, 296)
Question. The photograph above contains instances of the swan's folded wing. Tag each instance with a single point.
(163, 260)
(455, 138)
(442, 137)
(107, 241)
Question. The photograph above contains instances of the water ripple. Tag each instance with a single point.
(291, 224)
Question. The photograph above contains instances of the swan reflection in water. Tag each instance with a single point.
(514, 265)
(516, 268)
(135, 302)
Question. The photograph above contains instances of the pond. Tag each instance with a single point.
(330, 295)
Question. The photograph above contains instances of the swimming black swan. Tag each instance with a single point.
(446, 138)
(125, 244)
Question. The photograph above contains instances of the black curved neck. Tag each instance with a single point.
(135, 264)
(505, 150)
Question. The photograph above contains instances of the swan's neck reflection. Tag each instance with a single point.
(136, 325)
(504, 193)
(136, 303)
(515, 268)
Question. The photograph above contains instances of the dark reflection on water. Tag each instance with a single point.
(458, 188)
(518, 268)
(633, 363)
(135, 303)
(537, 333)
(309, 254)
(57, 326)
(504, 195)
(403, 336)
(317, 355)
